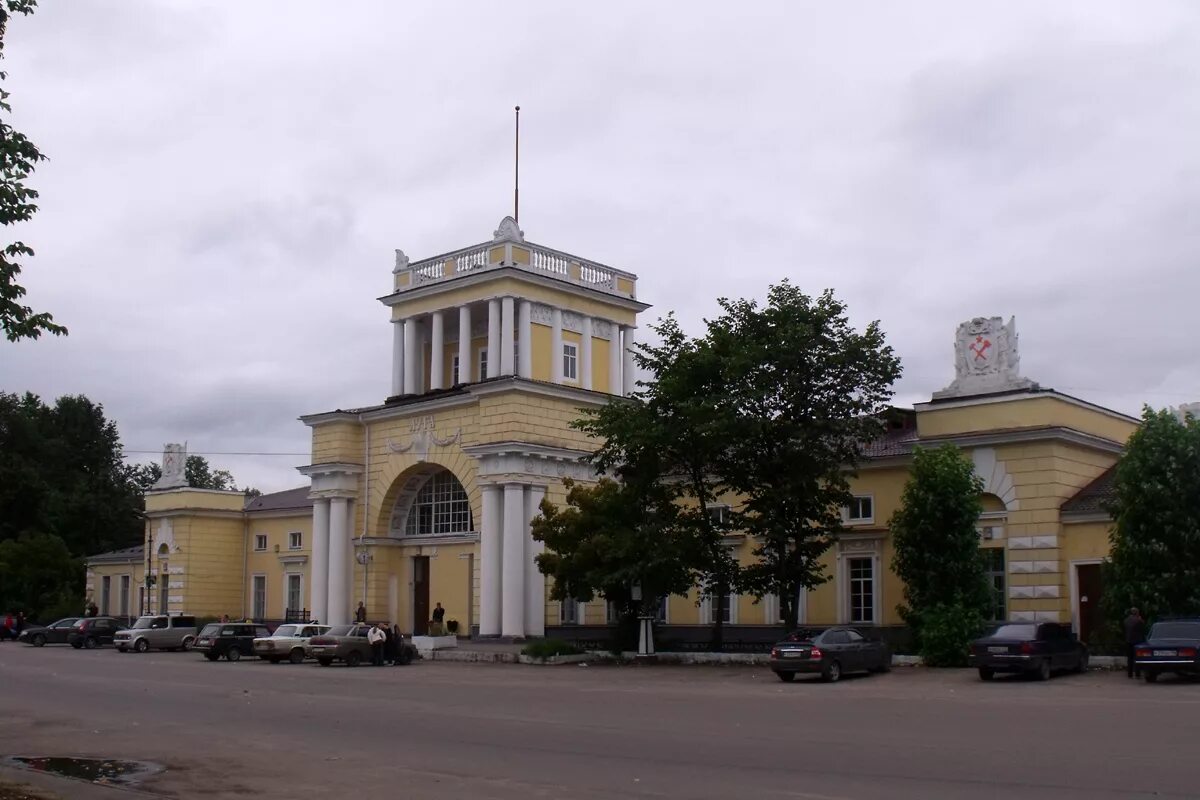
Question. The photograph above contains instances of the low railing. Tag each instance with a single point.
(296, 615)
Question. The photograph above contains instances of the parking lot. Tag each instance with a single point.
(443, 730)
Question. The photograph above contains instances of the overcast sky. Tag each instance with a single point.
(228, 182)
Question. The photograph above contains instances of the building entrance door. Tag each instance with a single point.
(420, 595)
(1090, 581)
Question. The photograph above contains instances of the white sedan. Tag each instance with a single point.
(287, 642)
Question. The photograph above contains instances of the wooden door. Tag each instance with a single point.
(1090, 583)
(420, 595)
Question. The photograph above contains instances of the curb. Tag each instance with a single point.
(686, 659)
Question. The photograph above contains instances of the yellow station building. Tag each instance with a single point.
(428, 496)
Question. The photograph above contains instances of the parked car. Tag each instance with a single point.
(160, 632)
(229, 639)
(54, 633)
(832, 652)
(91, 632)
(346, 643)
(1036, 648)
(1172, 646)
(288, 641)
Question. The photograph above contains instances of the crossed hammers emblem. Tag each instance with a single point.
(980, 347)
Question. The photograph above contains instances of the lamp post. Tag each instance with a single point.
(364, 557)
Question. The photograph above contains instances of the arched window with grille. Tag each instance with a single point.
(440, 508)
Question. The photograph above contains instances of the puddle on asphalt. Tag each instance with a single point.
(105, 771)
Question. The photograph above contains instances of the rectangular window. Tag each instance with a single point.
(259, 604)
(105, 590)
(570, 362)
(727, 615)
(454, 379)
(719, 514)
(295, 601)
(660, 613)
(260, 541)
(164, 595)
(124, 605)
(862, 509)
(295, 540)
(994, 561)
(483, 363)
(570, 612)
(612, 613)
(142, 600)
(862, 589)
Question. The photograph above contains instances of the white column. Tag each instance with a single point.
(614, 359)
(318, 572)
(464, 343)
(512, 604)
(525, 339)
(535, 581)
(397, 357)
(412, 337)
(437, 351)
(585, 354)
(493, 339)
(556, 346)
(339, 563)
(507, 324)
(627, 367)
(490, 539)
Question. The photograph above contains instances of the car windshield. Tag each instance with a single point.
(210, 629)
(341, 630)
(65, 623)
(1015, 632)
(143, 623)
(286, 630)
(1175, 630)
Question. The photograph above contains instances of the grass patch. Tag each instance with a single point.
(548, 648)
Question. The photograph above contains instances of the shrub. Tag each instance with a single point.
(548, 648)
(946, 633)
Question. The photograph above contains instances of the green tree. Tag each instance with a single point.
(197, 470)
(1154, 555)
(39, 576)
(946, 593)
(16, 205)
(804, 393)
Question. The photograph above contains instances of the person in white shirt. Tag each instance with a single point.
(376, 638)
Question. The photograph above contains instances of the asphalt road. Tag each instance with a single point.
(443, 730)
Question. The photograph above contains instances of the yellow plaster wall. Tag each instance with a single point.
(1086, 540)
(210, 555)
(337, 442)
(137, 576)
(268, 563)
(1040, 411)
(187, 498)
(524, 416)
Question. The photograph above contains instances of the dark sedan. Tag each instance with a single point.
(54, 633)
(1035, 648)
(832, 653)
(91, 632)
(1172, 646)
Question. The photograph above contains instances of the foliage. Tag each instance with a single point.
(946, 632)
(804, 394)
(20, 157)
(936, 542)
(39, 576)
(1154, 559)
(549, 648)
(199, 474)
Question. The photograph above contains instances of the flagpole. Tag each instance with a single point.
(517, 169)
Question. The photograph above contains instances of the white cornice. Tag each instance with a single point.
(1025, 435)
(417, 407)
(589, 397)
(525, 449)
(418, 541)
(331, 468)
(475, 277)
(195, 512)
(1073, 517)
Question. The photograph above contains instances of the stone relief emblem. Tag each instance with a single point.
(423, 438)
(508, 232)
(174, 466)
(986, 358)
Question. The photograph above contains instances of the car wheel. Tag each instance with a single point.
(38, 640)
(77, 645)
(188, 641)
(211, 656)
(1151, 676)
(296, 656)
(786, 677)
(141, 646)
(233, 654)
(274, 659)
(986, 674)
(90, 643)
(1082, 665)
(1043, 670)
(885, 665)
(832, 672)
(325, 662)
(354, 659)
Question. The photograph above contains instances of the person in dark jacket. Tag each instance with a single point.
(1135, 634)
(389, 646)
(360, 616)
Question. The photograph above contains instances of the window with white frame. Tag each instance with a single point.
(861, 510)
(260, 541)
(861, 576)
(612, 612)
(570, 362)
(441, 507)
(483, 363)
(712, 608)
(295, 540)
(454, 377)
(295, 592)
(570, 612)
(124, 603)
(660, 612)
(772, 612)
(105, 591)
(259, 597)
(720, 514)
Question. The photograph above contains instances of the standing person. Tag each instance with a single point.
(389, 645)
(376, 639)
(401, 649)
(1135, 634)
(6, 627)
(439, 614)
(361, 614)
(20, 624)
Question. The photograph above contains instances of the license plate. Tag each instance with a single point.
(1164, 652)
(794, 653)
(997, 649)
(205, 641)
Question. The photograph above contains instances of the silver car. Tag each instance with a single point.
(288, 641)
(159, 632)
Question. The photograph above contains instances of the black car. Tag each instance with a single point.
(1172, 646)
(1036, 648)
(832, 652)
(91, 632)
(54, 633)
(229, 639)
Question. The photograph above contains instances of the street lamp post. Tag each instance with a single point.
(364, 557)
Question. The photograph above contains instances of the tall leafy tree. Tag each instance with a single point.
(800, 394)
(936, 541)
(20, 157)
(1154, 557)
